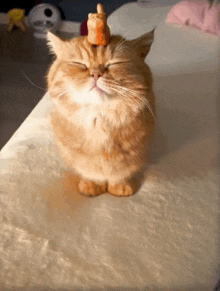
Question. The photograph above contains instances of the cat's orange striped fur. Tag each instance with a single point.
(105, 109)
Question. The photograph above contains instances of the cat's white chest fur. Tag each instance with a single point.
(90, 120)
(87, 117)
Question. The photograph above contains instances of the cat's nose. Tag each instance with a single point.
(96, 73)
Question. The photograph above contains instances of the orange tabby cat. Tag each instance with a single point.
(105, 109)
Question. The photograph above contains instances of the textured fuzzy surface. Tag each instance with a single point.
(165, 237)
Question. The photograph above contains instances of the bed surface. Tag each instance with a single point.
(166, 237)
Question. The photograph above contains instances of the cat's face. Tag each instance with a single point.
(90, 74)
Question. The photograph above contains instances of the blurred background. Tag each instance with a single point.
(72, 10)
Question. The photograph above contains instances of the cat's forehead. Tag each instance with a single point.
(82, 49)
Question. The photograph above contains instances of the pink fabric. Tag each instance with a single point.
(196, 14)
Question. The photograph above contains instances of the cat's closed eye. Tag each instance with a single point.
(109, 65)
(78, 64)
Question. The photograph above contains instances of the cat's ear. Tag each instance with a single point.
(55, 44)
(143, 44)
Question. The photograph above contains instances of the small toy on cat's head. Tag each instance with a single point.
(98, 30)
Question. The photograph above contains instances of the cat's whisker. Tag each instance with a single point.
(128, 90)
(132, 95)
(128, 93)
(146, 102)
(123, 91)
(62, 93)
(122, 40)
(119, 45)
(148, 106)
(32, 82)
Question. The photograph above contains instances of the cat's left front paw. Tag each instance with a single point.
(90, 188)
(122, 189)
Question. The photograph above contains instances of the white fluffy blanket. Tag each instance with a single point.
(166, 237)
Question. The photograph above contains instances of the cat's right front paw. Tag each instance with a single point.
(90, 188)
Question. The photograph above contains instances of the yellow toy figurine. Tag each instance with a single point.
(98, 30)
(16, 18)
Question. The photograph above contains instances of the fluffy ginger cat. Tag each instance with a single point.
(105, 110)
